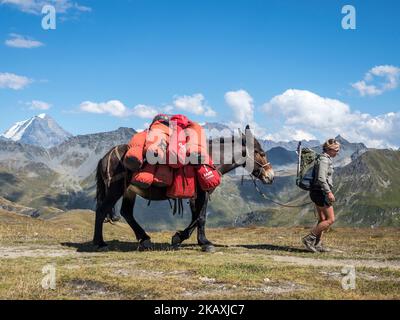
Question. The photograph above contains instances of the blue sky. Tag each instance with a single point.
(284, 66)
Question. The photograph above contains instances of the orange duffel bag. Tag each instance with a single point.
(133, 159)
(164, 176)
(145, 177)
(184, 184)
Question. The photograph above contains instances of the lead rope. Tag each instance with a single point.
(273, 201)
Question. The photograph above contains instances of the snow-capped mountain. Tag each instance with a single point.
(41, 130)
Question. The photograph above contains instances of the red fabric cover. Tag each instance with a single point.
(184, 184)
(145, 177)
(133, 159)
(157, 142)
(163, 176)
(196, 144)
(177, 146)
(181, 120)
(208, 177)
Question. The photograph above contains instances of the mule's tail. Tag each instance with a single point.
(101, 186)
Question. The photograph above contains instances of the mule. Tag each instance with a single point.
(113, 182)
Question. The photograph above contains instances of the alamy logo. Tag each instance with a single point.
(49, 20)
(349, 20)
(349, 279)
(49, 280)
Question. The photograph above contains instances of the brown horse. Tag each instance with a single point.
(113, 183)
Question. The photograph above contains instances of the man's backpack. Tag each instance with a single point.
(307, 160)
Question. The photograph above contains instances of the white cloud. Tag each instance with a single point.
(288, 134)
(35, 6)
(18, 41)
(390, 75)
(307, 114)
(143, 111)
(113, 107)
(195, 104)
(38, 105)
(305, 107)
(242, 105)
(13, 81)
(117, 109)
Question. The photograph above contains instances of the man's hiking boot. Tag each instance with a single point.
(309, 242)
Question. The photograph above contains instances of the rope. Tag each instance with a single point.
(273, 201)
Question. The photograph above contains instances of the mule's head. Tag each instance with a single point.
(262, 168)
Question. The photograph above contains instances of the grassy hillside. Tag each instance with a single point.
(250, 263)
(369, 189)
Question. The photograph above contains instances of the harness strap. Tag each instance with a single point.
(117, 176)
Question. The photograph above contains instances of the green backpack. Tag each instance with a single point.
(307, 158)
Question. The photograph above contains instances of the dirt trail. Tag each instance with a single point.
(14, 252)
(29, 252)
(393, 264)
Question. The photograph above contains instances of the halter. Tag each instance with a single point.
(262, 166)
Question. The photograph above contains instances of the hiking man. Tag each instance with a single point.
(322, 196)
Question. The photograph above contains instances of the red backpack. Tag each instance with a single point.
(184, 184)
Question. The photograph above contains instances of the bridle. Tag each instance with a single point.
(262, 166)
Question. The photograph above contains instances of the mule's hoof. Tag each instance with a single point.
(107, 220)
(208, 248)
(176, 240)
(145, 245)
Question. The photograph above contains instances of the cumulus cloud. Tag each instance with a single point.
(144, 111)
(306, 114)
(288, 134)
(38, 105)
(18, 41)
(117, 109)
(195, 104)
(113, 107)
(35, 6)
(13, 81)
(370, 85)
(242, 105)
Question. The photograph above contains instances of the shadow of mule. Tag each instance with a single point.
(124, 246)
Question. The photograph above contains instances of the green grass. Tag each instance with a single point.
(245, 265)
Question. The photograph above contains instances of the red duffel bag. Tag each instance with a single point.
(145, 177)
(164, 176)
(208, 177)
(184, 184)
(177, 146)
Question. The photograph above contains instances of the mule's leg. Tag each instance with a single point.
(113, 194)
(201, 205)
(127, 208)
(181, 236)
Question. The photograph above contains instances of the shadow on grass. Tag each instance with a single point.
(272, 247)
(124, 246)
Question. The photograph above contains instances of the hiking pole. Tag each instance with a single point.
(298, 158)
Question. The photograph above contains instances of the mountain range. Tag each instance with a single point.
(49, 180)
